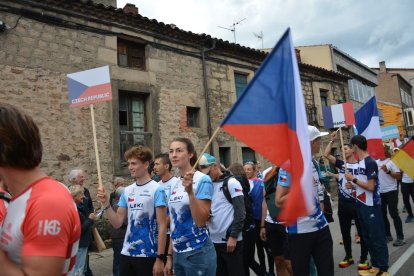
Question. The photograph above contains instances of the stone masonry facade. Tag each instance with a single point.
(36, 56)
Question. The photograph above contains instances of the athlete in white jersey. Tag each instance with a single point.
(369, 207)
(191, 251)
(144, 203)
(310, 236)
(347, 212)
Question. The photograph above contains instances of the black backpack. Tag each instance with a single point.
(270, 192)
(248, 205)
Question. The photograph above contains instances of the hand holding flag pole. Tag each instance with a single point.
(205, 148)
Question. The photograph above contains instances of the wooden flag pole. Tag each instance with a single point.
(343, 150)
(205, 148)
(95, 142)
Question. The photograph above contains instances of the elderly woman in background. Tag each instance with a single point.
(86, 220)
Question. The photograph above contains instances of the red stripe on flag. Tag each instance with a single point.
(375, 148)
(270, 140)
(295, 205)
(349, 113)
(409, 148)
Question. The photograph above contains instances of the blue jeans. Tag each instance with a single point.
(202, 261)
(373, 232)
(80, 267)
(116, 264)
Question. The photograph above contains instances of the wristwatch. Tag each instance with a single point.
(355, 180)
(162, 257)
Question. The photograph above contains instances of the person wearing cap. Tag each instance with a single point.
(227, 218)
(347, 203)
(310, 237)
(191, 251)
(369, 212)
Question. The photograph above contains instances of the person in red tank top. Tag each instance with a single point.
(41, 230)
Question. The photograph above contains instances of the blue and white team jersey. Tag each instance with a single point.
(167, 185)
(317, 220)
(222, 211)
(141, 238)
(367, 170)
(345, 194)
(185, 234)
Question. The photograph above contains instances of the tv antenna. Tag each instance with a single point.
(232, 28)
(259, 36)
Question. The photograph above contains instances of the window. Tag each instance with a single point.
(192, 116)
(248, 154)
(225, 158)
(359, 92)
(132, 121)
(409, 116)
(324, 97)
(241, 83)
(406, 98)
(131, 54)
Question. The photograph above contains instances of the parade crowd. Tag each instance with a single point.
(204, 221)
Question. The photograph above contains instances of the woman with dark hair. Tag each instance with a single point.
(191, 251)
(250, 235)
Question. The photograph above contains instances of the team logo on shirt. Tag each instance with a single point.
(48, 227)
(131, 199)
(238, 190)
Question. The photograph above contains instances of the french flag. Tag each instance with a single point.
(338, 115)
(270, 118)
(367, 124)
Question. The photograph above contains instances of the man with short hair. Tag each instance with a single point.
(144, 202)
(41, 231)
(369, 207)
(310, 236)
(162, 167)
(227, 218)
(347, 203)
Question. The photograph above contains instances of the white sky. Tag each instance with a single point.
(369, 30)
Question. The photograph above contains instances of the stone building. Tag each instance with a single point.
(166, 82)
(394, 96)
(362, 80)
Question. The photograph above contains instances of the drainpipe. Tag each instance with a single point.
(206, 94)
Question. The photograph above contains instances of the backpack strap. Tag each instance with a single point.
(225, 187)
(5, 197)
(271, 183)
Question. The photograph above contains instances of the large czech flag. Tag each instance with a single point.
(367, 124)
(270, 118)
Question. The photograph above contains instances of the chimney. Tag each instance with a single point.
(106, 3)
(382, 68)
(131, 9)
(297, 52)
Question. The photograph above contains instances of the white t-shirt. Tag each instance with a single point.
(406, 178)
(311, 223)
(368, 170)
(141, 238)
(185, 233)
(222, 210)
(386, 181)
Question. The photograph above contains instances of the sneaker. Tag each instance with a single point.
(371, 272)
(383, 273)
(399, 242)
(363, 265)
(389, 239)
(410, 218)
(346, 262)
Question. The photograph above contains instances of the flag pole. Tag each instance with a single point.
(207, 145)
(342, 147)
(95, 142)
